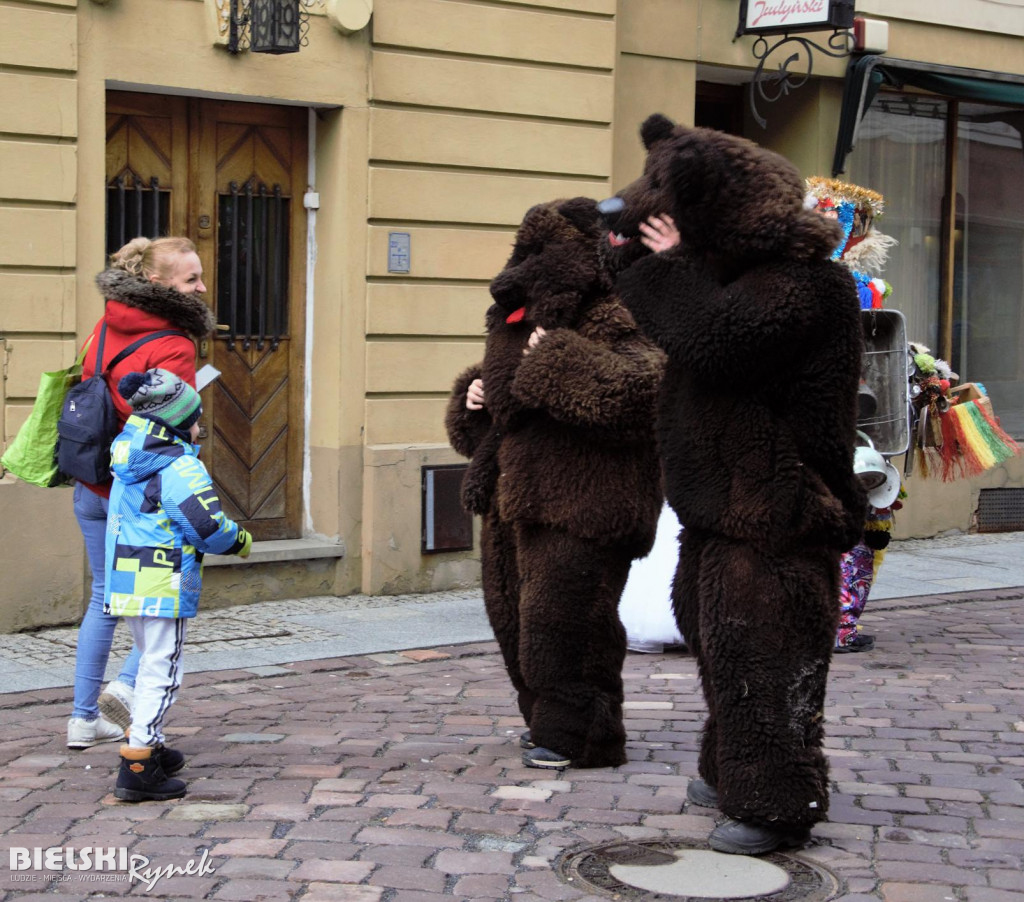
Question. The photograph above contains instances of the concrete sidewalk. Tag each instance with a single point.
(275, 633)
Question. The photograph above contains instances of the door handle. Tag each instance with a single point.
(204, 344)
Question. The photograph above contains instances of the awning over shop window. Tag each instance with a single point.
(866, 75)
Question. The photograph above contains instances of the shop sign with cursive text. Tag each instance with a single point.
(785, 16)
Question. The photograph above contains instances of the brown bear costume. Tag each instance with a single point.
(565, 473)
(756, 429)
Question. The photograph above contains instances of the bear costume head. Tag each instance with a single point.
(728, 196)
(555, 270)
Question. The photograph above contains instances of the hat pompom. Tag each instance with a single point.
(130, 384)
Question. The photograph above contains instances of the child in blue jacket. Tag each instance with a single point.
(164, 515)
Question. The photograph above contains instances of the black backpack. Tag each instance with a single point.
(88, 421)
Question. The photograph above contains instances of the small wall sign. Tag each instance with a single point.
(399, 252)
(785, 16)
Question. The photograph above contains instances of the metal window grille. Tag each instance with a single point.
(252, 265)
(1001, 510)
(136, 209)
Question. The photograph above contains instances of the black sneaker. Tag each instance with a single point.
(858, 643)
(701, 793)
(526, 741)
(746, 838)
(542, 757)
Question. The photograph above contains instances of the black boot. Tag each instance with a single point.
(748, 838)
(142, 777)
(171, 760)
(702, 793)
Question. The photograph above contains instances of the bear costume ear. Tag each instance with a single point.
(582, 212)
(656, 127)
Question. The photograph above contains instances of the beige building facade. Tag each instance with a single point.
(388, 163)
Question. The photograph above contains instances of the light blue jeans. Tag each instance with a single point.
(96, 633)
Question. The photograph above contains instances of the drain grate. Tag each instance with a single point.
(1001, 510)
(685, 869)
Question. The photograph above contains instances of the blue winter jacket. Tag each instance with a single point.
(164, 515)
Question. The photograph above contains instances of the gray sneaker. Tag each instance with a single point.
(116, 704)
(538, 756)
(84, 734)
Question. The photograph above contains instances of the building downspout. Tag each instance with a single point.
(311, 201)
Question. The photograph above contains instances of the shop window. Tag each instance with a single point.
(952, 173)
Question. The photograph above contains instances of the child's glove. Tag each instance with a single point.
(245, 538)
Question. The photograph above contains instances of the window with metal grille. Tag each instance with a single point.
(1001, 510)
(136, 209)
(252, 265)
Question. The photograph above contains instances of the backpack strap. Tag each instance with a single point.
(134, 346)
(83, 352)
(99, 348)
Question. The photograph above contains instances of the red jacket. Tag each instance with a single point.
(135, 308)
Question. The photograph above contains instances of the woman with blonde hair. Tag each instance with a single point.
(151, 286)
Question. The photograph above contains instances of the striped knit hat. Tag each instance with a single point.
(160, 395)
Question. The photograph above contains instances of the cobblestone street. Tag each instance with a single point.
(396, 776)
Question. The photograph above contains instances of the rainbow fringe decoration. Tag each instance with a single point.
(972, 442)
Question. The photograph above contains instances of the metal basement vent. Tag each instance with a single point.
(679, 869)
(1001, 510)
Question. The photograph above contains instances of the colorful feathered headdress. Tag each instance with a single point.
(863, 249)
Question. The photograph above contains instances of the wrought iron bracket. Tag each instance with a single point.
(238, 27)
(772, 86)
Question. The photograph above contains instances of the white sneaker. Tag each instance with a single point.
(116, 703)
(84, 734)
(646, 646)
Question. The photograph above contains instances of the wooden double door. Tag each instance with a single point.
(230, 176)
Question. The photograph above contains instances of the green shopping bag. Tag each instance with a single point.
(31, 455)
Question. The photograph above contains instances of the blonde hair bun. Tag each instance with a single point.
(130, 257)
(145, 258)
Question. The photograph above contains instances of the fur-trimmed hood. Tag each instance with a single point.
(185, 311)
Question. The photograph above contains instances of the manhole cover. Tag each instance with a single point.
(688, 869)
